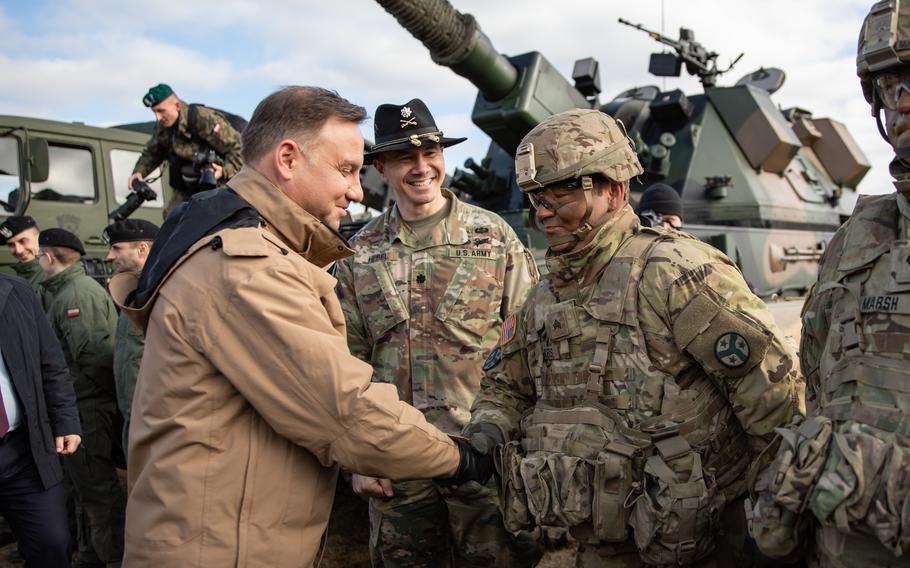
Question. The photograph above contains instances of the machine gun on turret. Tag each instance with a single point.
(699, 61)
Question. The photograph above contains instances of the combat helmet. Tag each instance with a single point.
(883, 46)
(575, 145)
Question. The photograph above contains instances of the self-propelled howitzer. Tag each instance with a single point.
(767, 186)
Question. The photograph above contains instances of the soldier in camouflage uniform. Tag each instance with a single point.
(130, 241)
(84, 319)
(424, 298)
(178, 136)
(844, 473)
(639, 379)
(20, 234)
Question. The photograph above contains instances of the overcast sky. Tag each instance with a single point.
(92, 60)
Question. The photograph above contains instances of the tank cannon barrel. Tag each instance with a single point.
(456, 41)
(516, 92)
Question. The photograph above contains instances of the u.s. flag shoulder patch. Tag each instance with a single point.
(508, 329)
(73, 312)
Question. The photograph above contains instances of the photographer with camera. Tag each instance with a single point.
(201, 145)
(661, 206)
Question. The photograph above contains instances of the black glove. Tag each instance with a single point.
(483, 437)
(473, 465)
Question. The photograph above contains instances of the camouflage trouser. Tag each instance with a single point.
(99, 499)
(430, 525)
(834, 549)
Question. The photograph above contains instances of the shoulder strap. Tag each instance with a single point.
(193, 112)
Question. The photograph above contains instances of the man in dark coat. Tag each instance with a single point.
(38, 421)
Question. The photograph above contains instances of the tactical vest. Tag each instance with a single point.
(612, 441)
(864, 390)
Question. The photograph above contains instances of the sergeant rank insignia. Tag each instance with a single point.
(732, 350)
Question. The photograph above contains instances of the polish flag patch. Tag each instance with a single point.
(217, 129)
(73, 312)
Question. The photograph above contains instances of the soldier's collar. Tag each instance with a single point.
(453, 232)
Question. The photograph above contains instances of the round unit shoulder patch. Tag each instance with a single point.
(732, 350)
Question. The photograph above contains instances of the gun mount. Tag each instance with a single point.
(699, 61)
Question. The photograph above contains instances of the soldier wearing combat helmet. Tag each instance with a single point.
(628, 395)
(844, 473)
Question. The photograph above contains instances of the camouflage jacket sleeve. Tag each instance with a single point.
(815, 315)
(725, 329)
(507, 388)
(521, 275)
(218, 133)
(154, 153)
(358, 339)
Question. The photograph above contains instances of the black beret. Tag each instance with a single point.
(60, 238)
(15, 225)
(661, 198)
(130, 230)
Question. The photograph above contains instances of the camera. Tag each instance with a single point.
(651, 218)
(141, 193)
(203, 164)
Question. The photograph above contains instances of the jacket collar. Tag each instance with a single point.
(27, 269)
(579, 266)
(297, 228)
(451, 231)
(57, 281)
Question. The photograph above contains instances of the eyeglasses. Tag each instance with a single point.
(554, 196)
(890, 87)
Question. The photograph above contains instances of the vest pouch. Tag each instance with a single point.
(889, 514)
(799, 462)
(613, 485)
(559, 488)
(850, 478)
(782, 489)
(674, 520)
(515, 513)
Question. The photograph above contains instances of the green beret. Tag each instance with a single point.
(157, 94)
(130, 230)
(60, 238)
(15, 225)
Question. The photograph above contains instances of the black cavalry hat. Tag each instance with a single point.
(400, 127)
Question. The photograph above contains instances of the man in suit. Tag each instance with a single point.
(38, 421)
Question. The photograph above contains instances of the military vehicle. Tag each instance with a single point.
(767, 186)
(72, 176)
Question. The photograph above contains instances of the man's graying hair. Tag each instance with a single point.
(297, 113)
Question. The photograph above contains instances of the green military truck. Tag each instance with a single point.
(72, 176)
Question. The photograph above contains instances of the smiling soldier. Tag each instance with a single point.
(425, 297)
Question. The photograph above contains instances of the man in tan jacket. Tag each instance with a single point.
(248, 399)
